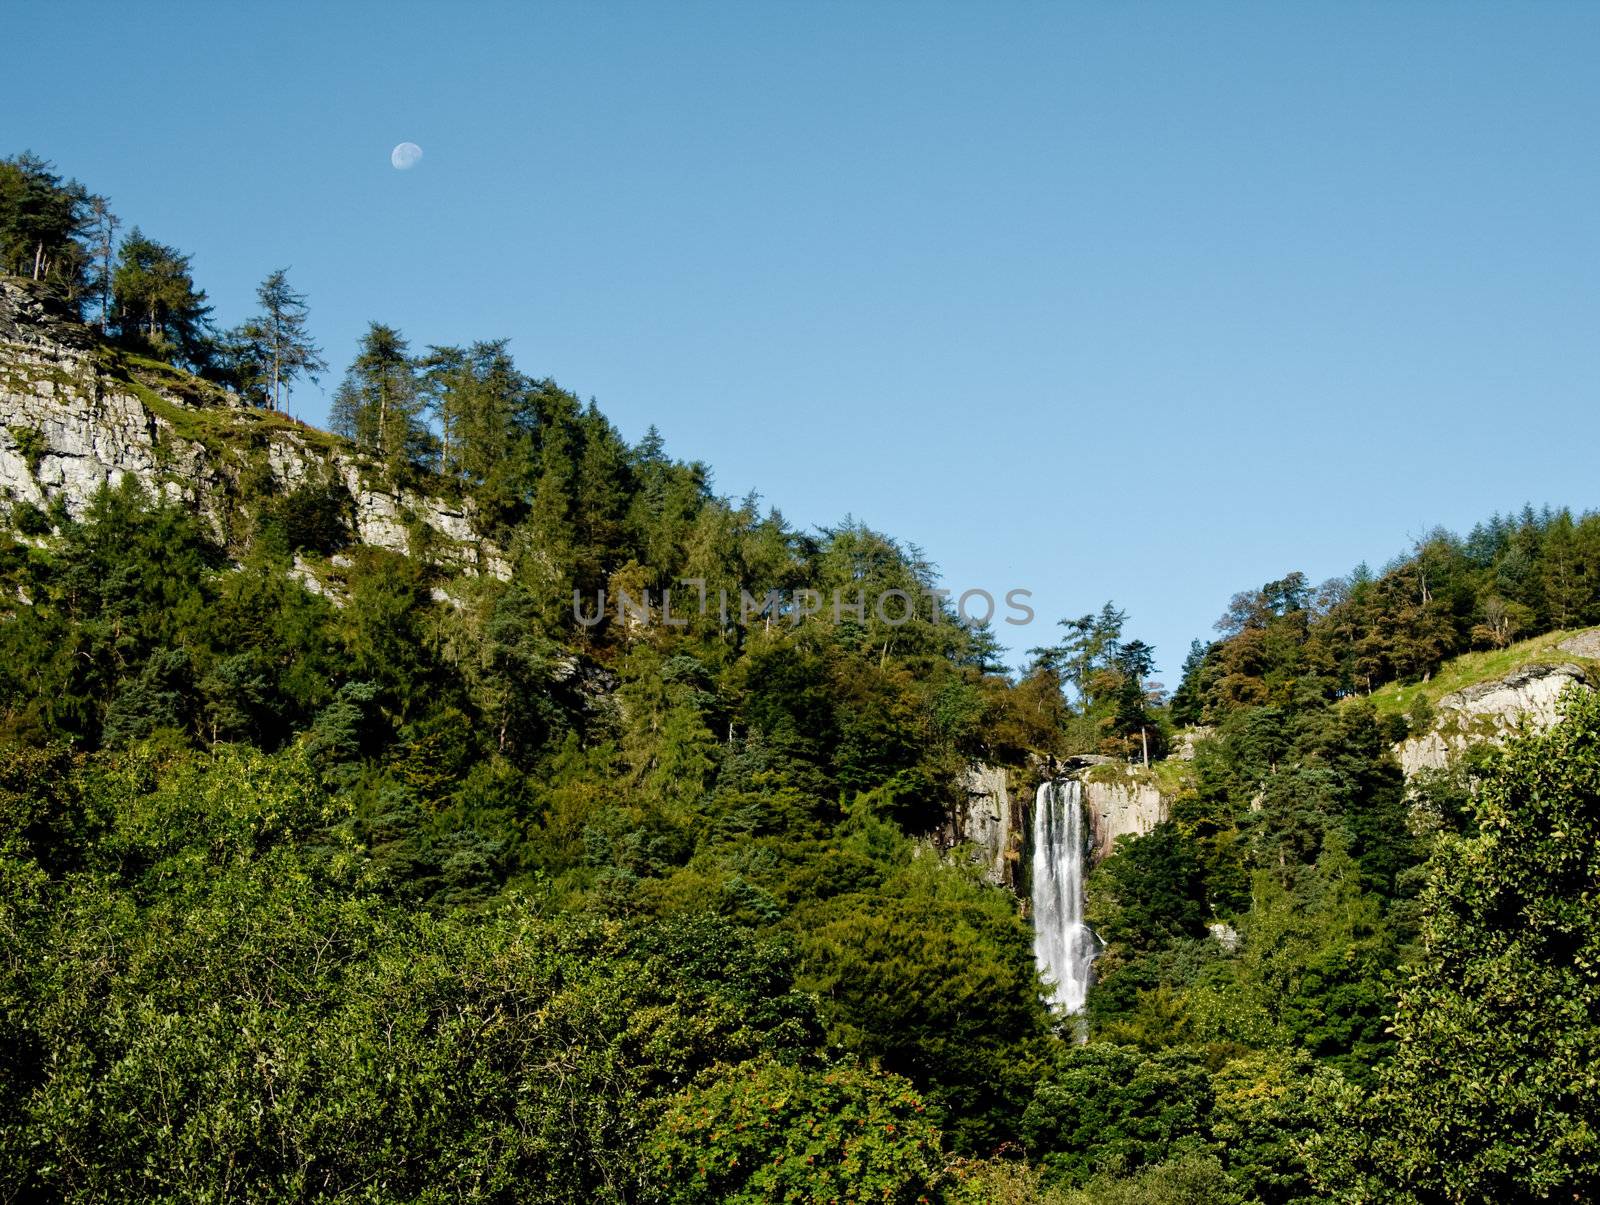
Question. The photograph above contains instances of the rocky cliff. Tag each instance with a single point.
(1121, 801)
(985, 819)
(76, 414)
(1488, 712)
(1118, 800)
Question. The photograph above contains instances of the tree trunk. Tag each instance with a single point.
(277, 361)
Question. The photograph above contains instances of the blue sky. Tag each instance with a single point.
(1144, 302)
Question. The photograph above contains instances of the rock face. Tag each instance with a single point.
(1120, 803)
(986, 820)
(72, 420)
(1183, 747)
(1117, 801)
(1489, 712)
(1584, 644)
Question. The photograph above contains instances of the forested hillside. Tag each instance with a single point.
(332, 871)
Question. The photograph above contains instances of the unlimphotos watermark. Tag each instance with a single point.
(893, 607)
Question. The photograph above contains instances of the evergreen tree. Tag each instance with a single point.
(484, 411)
(41, 219)
(154, 300)
(378, 403)
(277, 341)
(102, 233)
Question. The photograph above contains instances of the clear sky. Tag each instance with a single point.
(1132, 301)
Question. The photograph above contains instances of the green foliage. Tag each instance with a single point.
(42, 218)
(1151, 891)
(1192, 1180)
(1296, 836)
(270, 351)
(214, 1004)
(769, 1132)
(1492, 1093)
(31, 443)
(1316, 969)
(934, 976)
(155, 303)
(311, 517)
(1109, 680)
(1286, 644)
(29, 520)
(1112, 1109)
(378, 405)
(1128, 1125)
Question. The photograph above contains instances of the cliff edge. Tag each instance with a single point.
(77, 414)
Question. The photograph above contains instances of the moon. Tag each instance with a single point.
(405, 156)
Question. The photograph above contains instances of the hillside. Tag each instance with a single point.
(77, 413)
(373, 825)
(1575, 646)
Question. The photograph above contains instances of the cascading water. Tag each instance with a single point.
(1064, 946)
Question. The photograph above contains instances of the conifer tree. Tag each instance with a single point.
(41, 218)
(102, 231)
(482, 406)
(276, 339)
(154, 299)
(378, 403)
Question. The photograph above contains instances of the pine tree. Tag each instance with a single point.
(154, 300)
(482, 406)
(41, 218)
(276, 339)
(103, 225)
(378, 402)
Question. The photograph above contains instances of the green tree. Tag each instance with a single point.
(768, 1132)
(42, 218)
(1115, 1109)
(154, 300)
(378, 403)
(1495, 1085)
(277, 341)
(101, 232)
(934, 976)
(484, 410)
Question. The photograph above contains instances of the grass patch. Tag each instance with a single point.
(1173, 776)
(24, 378)
(1168, 776)
(32, 444)
(202, 412)
(1469, 669)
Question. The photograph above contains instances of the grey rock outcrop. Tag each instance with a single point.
(73, 418)
(1183, 747)
(1583, 644)
(1120, 802)
(1488, 712)
(1225, 935)
(986, 820)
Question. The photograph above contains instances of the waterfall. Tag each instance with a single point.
(1063, 945)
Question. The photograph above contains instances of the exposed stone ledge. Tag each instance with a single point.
(1120, 802)
(1489, 712)
(69, 427)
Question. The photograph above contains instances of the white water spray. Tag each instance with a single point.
(1064, 946)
